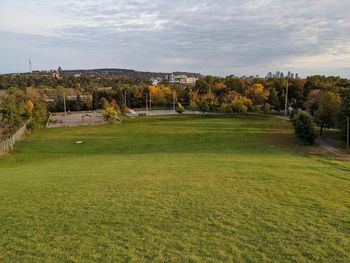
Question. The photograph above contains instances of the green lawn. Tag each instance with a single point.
(173, 189)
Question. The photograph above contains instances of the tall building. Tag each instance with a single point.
(171, 78)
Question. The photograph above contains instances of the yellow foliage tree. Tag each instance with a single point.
(30, 107)
(258, 94)
(154, 91)
(110, 114)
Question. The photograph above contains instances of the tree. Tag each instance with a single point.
(344, 113)
(257, 94)
(208, 102)
(38, 117)
(304, 127)
(266, 108)
(104, 103)
(273, 99)
(328, 110)
(110, 114)
(115, 105)
(29, 107)
(313, 98)
(13, 112)
(238, 104)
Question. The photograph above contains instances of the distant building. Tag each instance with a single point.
(156, 81)
(280, 74)
(183, 79)
(171, 77)
(56, 74)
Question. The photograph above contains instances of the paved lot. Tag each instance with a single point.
(75, 119)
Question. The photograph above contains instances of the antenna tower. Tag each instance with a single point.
(30, 66)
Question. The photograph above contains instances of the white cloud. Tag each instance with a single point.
(217, 37)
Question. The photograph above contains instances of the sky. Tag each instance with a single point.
(219, 37)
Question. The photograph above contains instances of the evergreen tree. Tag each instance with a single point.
(273, 99)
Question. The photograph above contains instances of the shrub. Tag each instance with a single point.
(238, 104)
(304, 127)
(266, 108)
(180, 108)
(38, 117)
(294, 113)
(110, 114)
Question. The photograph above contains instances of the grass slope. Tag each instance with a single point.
(185, 189)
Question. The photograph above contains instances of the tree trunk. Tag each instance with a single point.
(321, 130)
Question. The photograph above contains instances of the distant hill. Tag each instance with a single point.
(105, 72)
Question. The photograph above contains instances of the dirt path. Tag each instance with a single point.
(332, 146)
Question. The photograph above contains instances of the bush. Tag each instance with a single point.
(180, 108)
(266, 108)
(38, 118)
(294, 113)
(110, 114)
(304, 127)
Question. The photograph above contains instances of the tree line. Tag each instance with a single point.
(326, 99)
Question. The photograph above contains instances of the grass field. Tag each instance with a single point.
(173, 189)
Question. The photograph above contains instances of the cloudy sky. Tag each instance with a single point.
(221, 37)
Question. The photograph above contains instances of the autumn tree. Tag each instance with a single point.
(29, 107)
(239, 104)
(312, 102)
(257, 94)
(110, 114)
(104, 103)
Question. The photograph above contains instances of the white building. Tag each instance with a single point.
(183, 79)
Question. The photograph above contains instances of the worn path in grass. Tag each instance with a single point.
(174, 189)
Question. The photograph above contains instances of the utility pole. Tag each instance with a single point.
(64, 104)
(146, 104)
(286, 101)
(150, 100)
(348, 133)
(125, 98)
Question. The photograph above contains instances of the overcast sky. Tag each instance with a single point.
(220, 37)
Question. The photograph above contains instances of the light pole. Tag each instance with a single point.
(286, 100)
(146, 104)
(150, 100)
(64, 104)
